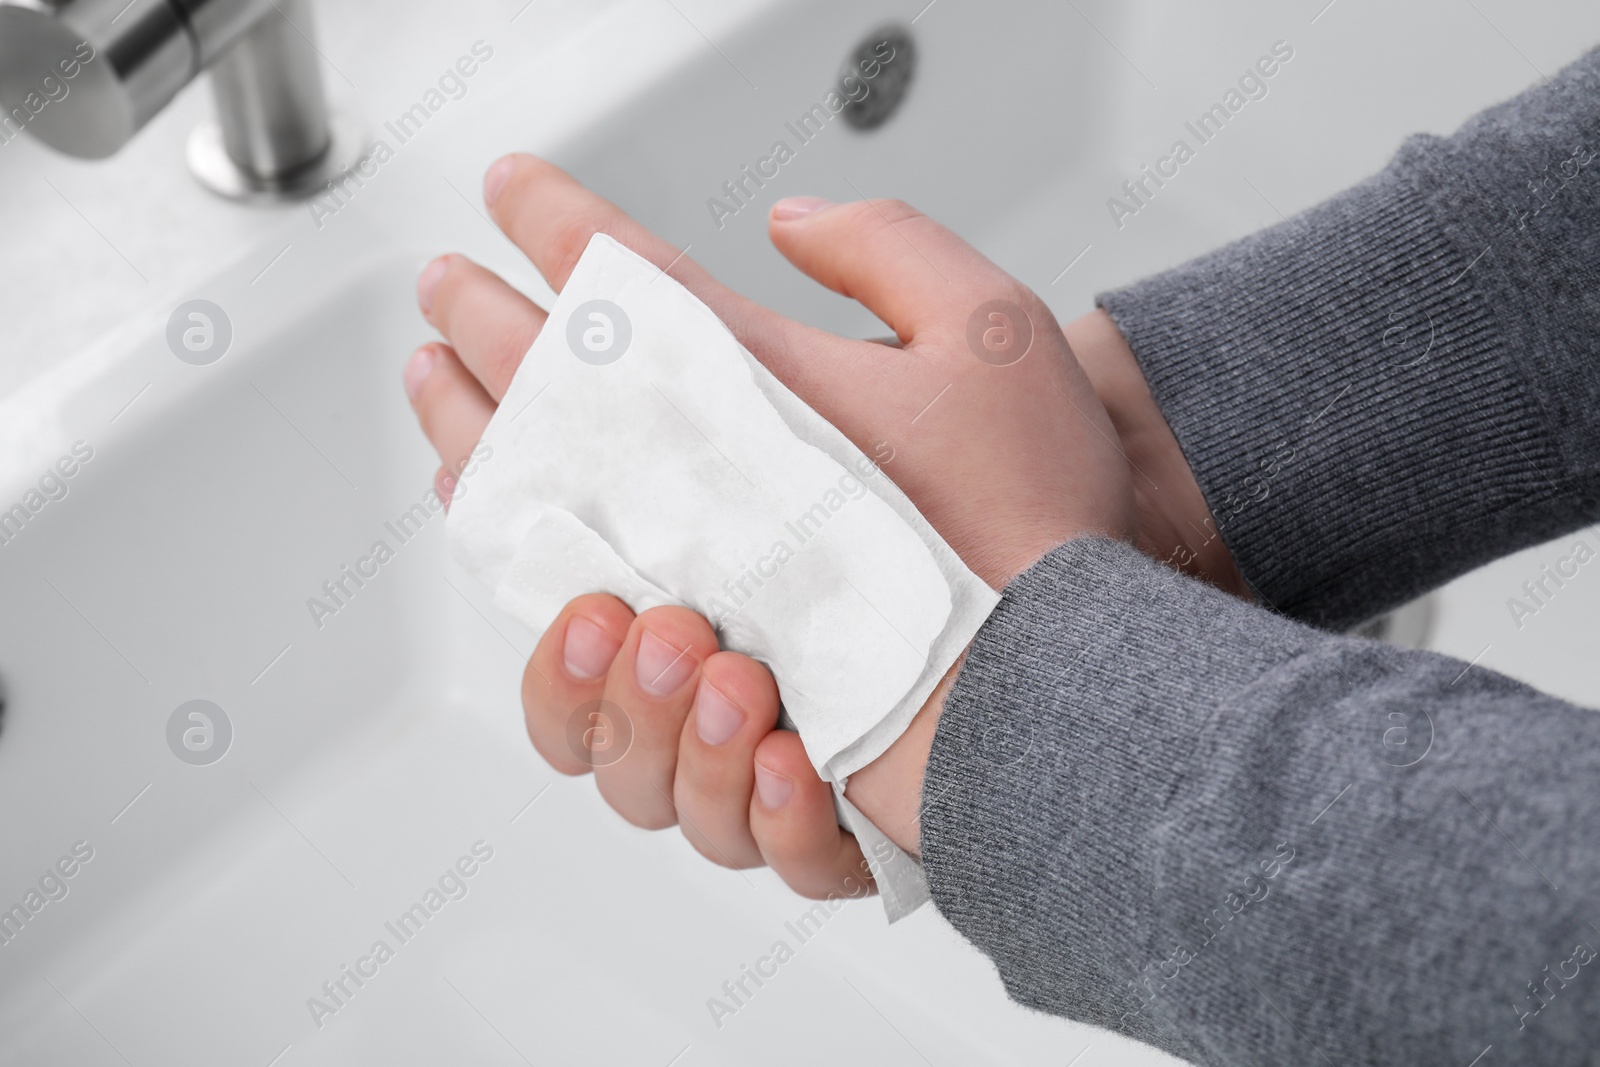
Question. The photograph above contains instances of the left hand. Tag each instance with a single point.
(1005, 461)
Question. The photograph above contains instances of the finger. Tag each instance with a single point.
(450, 404)
(902, 266)
(735, 706)
(445, 482)
(551, 216)
(487, 322)
(795, 825)
(564, 684)
(652, 683)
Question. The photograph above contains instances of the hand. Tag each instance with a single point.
(1005, 461)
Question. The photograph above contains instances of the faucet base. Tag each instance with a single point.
(215, 169)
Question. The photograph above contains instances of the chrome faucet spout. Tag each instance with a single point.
(84, 76)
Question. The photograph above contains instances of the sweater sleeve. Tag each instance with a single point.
(1398, 385)
(1169, 813)
(1218, 830)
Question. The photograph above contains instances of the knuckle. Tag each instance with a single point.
(693, 781)
(476, 325)
(707, 851)
(1005, 287)
(681, 626)
(657, 725)
(560, 761)
(805, 884)
(890, 212)
(887, 222)
(570, 236)
(646, 818)
(506, 345)
(547, 739)
(633, 787)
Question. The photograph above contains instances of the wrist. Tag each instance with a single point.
(889, 789)
(1175, 522)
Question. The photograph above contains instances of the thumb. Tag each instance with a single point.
(902, 266)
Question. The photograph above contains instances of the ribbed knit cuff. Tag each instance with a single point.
(1347, 398)
(1081, 705)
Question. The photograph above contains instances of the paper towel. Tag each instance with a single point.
(640, 450)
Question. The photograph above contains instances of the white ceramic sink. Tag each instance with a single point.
(371, 754)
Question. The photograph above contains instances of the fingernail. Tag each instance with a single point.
(795, 207)
(772, 788)
(589, 650)
(716, 718)
(662, 669)
(428, 281)
(495, 178)
(418, 368)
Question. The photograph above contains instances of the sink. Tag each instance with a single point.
(251, 794)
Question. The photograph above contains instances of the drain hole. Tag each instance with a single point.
(877, 76)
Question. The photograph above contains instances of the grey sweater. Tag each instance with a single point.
(1228, 830)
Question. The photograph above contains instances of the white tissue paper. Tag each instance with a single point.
(640, 450)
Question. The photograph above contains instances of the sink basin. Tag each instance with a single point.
(252, 794)
(219, 800)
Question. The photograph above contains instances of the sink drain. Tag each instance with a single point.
(877, 76)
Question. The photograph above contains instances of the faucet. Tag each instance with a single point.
(85, 75)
